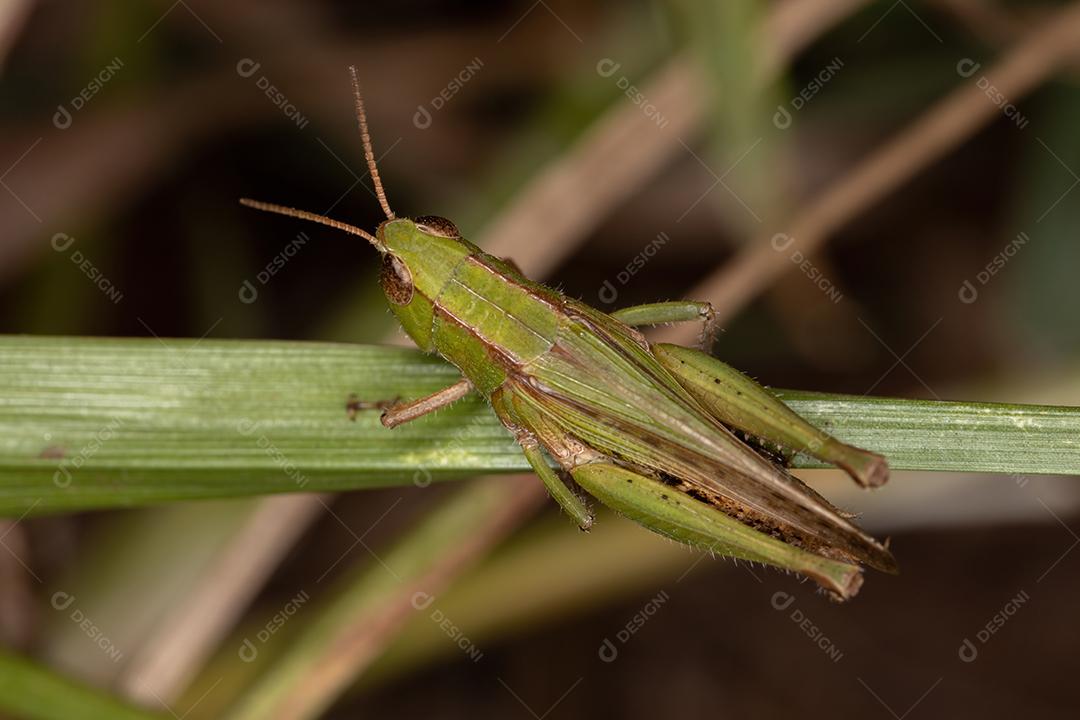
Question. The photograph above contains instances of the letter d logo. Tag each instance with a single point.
(608, 294)
(422, 118)
(782, 600)
(61, 118)
(781, 118)
(62, 600)
(422, 600)
(248, 294)
(248, 652)
(608, 652)
(247, 67)
(968, 294)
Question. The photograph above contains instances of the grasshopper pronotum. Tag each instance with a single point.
(647, 429)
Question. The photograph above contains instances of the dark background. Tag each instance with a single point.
(146, 179)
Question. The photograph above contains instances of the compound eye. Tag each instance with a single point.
(435, 225)
(396, 280)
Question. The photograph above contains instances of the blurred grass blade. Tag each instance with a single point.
(371, 604)
(117, 583)
(30, 691)
(92, 423)
(545, 573)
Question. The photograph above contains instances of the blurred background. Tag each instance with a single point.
(880, 198)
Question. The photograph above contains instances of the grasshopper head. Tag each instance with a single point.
(419, 255)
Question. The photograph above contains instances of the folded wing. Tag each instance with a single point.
(600, 384)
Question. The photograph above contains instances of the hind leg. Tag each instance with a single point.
(664, 510)
(738, 401)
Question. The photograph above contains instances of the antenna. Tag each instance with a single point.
(313, 217)
(365, 137)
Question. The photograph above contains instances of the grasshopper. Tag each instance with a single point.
(654, 431)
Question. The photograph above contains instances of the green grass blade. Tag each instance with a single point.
(952, 436)
(93, 423)
(30, 691)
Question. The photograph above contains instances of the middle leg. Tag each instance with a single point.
(671, 312)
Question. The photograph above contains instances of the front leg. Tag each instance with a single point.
(397, 413)
(353, 405)
(672, 312)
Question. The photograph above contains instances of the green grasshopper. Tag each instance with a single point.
(647, 429)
